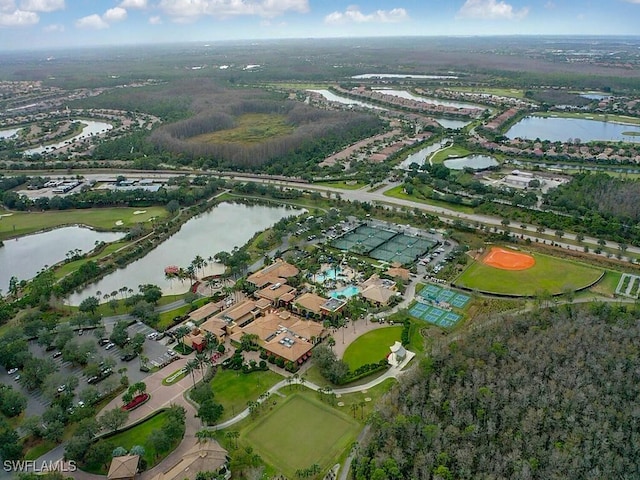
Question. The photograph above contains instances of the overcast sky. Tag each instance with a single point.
(26, 24)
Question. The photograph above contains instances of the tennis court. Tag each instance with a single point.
(363, 239)
(440, 294)
(402, 248)
(434, 315)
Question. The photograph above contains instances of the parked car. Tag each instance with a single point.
(12, 371)
(103, 341)
(109, 346)
(62, 388)
(128, 357)
(57, 354)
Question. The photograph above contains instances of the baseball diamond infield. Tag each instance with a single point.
(508, 259)
(547, 273)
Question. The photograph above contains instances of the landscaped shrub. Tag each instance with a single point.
(136, 402)
(271, 359)
(263, 354)
(406, 329)
(280, 362)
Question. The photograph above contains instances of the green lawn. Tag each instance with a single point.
(398, 192)
(552, 274)
(139, 435)
(22, 223)
(448, 152)
(234, 389)
(344, 185)
(70, 267)
(300, 432)
(607, 286)
(166, 318)
(503, 92)
(371, 347)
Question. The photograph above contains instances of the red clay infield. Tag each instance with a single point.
(508, 259)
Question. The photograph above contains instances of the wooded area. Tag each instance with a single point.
(551, 394)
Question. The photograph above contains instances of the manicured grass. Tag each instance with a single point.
(250, 128)
(101, 218)
(166, 318)
(234, 389)
(607, 286)
(371, 347)
(448, 152)
(139, 435)
(503, 92)
(345, 186)
(300, 432)
(398, 192)
(552, 274)
(70, 267)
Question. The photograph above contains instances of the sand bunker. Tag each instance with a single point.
(508, 259)
(119, 222)
(139, 212)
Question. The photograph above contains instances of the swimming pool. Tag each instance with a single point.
(347, 292)
(329, 274)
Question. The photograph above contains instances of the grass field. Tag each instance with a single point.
(70, 267)
(300, 432)
(344, 185)
(549, 273)
(503, 92)
(139, 435)
(371, 347)
(250, 128)
(234, 389)
(448, 152)
(22, 223)
(398, 192)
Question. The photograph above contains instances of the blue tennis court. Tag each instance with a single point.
(434, 315)
(439, 294)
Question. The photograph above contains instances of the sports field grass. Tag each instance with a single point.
(250, 128)
(552, 274)
(233, 389)
(503, 92)
(371, 347)
(300, 432)
(100, 218)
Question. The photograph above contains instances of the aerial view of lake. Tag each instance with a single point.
(8, 133)
(365, 76)
(332, 97)
(420, 157)
(595, 95)
(476, 162)
(433, 101)
(24, 257)
(562, 129)
(220, 229)
(90, 128)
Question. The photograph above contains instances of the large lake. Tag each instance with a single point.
(89, 129)
(430, 100)
(557, 129)
(475, 162)
(332, 97)
(420, 157)
(24, 257)
(225, 226)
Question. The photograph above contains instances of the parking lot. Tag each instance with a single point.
(155, 350)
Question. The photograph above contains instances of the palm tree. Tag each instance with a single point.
(181, 332)
(190, 367)
(233, 434)
(203, 360)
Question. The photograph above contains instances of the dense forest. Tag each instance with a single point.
(310, 124)
(610, 196)
(551, 394)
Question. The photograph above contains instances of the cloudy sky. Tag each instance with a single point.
(26, 24)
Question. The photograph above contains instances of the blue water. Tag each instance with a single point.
(329, 274)
(347, 292)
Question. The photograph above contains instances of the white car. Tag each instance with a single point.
(12, 371)
(109, 346)
(62, 388)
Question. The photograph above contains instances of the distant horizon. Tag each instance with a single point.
(56, 24)
(240, 41)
